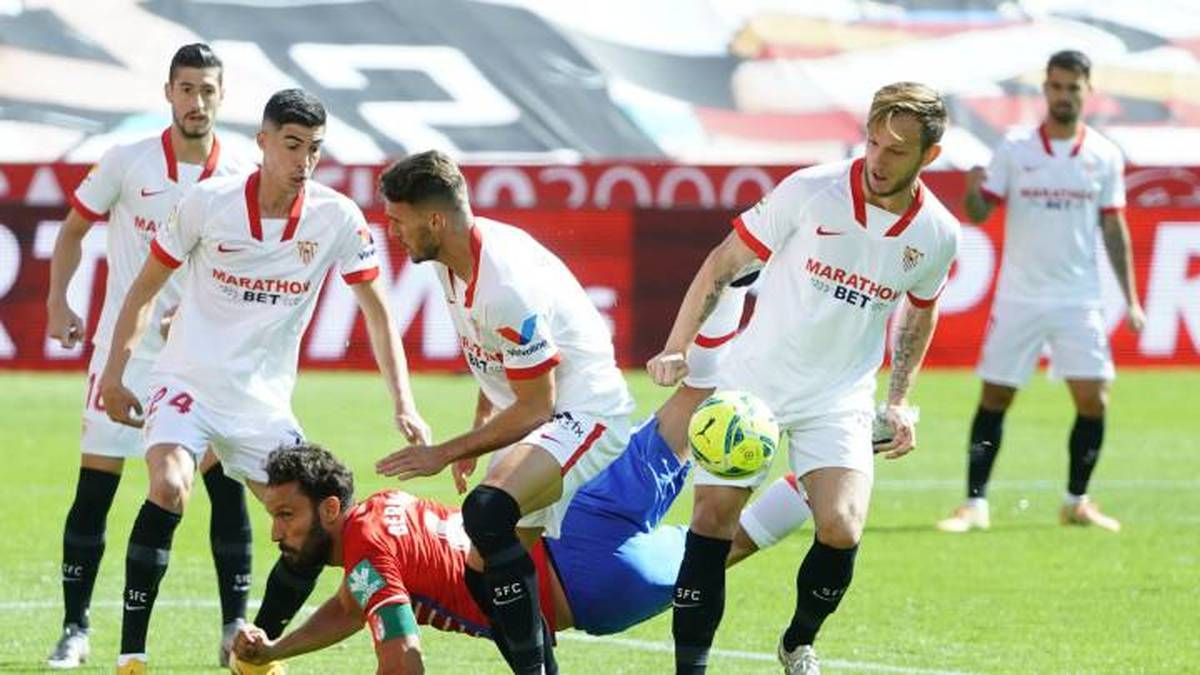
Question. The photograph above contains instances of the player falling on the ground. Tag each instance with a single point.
(552, 404)
(404, 557)
(1063, 187)
(258, 247)
(136, 185)
(844, 244)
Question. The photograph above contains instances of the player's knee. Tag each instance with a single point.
(170, 490)
(715, 513)
(1093, 404)
(843, 529)
(490, 518)
(996, 398)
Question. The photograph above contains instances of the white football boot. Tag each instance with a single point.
(72, 649)
(972, 515)
(800, 661)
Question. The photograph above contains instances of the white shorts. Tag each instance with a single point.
(583, 445)
(1018, 331)
(100, 435)
(177, 415)
(840, 439)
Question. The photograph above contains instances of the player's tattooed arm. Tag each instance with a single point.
(1120, 255)
(913, 334)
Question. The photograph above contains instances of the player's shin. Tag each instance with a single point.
(821, 584)
(478, 588)
(83, 541)
(699, 601)
(1086, 438)
(230, 536)
(986, 431)
(288, 586)
(145, 564)
(490, 518)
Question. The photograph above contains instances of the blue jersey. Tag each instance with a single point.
(611, 539)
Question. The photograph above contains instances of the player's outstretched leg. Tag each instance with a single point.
(490, 518)
(83, 548)
(171, 468)
(839, 499)
(288, 586)
(987, 428)
(700, 587)
(1087, 436)
(229, 534)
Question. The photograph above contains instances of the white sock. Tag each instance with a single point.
(978, 503)
(126, 658)
(1074, 500)
(712, 343)
(779, 510)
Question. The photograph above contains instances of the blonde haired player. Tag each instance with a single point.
(259, 247)
(1063, 187)
(134, 186)
(844, 245)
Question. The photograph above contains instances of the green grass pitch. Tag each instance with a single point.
(1028, 596)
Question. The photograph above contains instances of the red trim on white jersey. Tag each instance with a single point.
(924, 302)
(210, 163)
(710, 342)
(991, 197)
(760, 249)
(533, 371)
(361, 276)
(476, 249)
(597, 430)
(907, 217)
(1074, 148)
(162, 256)
(77, 204)
(856, 191)
(1112, 210)
(255, 214)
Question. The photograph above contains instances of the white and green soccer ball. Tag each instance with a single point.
(733, 434)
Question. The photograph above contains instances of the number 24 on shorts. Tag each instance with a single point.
(181, 401)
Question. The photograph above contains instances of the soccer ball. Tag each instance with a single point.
(733, 434)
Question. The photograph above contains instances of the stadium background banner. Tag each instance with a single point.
(633, 234)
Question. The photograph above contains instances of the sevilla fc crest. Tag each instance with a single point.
(912, 258)
(307, 250)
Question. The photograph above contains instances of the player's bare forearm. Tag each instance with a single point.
(1120, 254)
(718, 269)
(385, 343)
(534, 407)
(68, 249)
(400, 656)
(134, 315)
(330, 624)
(913, 334)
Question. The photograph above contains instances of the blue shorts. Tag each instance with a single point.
(616, 564)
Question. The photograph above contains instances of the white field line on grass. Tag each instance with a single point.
(571, 636)
(936, 484)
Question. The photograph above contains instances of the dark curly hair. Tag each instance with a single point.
(425, 177)
(318, 472)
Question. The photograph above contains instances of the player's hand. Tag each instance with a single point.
(164, 324)
(414, 428)
(121, 405)
(975, 178)
(903, 421)
(63, 325)
(461, 471)
(1135, 318)
(411, 462)
(667, 368)
(252, 645)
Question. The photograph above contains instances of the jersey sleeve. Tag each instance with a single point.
(927, 289)
(1112, 190)
(995, 186)
(175, 240)
(374, 581)
(766, 226)
(358, 261)
(101, 188)
(523, 325)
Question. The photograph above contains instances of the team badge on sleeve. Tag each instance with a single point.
(524, 336)
(912, 258)
(363, 582)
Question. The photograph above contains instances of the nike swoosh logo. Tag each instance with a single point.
(223, 249)
(147, 193)
(501, 603)
(134, 608)
(681, 605)
(828, 233)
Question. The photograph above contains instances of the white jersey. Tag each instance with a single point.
(836, 268)
(523, 313)
(1055, 192)
(250, 287)
(135, 186)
